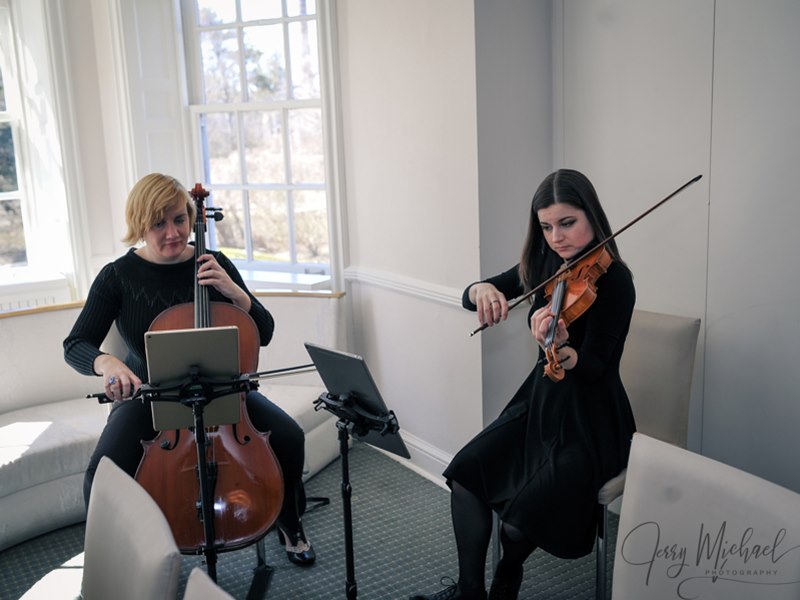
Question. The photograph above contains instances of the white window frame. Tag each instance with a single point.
(12, 115)
(281, 275)
(48, 277)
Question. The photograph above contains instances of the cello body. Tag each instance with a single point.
(245, 478)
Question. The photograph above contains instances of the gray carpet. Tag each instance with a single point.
(403, 544)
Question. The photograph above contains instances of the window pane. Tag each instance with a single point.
(229, 232)
(305, 139)
(12, 237)
(305, 62)
(264, 155)
(220, 50)
(270, 226)
(261, 9)
(221, 147)
(265, 62)
(8, 162)
(213, 12)
(296, 8)
(311, 225)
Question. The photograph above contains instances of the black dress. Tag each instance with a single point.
(540, 464)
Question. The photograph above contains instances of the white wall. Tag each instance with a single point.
(651, 94)
(634, 87)
(751, 410)
(409, 124)
(515, 106)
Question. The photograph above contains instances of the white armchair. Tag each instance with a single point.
(657, 367)
(692, 527)
(129, 551)
(200, 586)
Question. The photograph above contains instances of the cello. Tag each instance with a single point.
(245, 488)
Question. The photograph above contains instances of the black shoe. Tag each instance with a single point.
(507, 581)
(298, 548)
(451, 592)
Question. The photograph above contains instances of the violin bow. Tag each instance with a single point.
(585, 253)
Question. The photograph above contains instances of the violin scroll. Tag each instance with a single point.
(553, 368)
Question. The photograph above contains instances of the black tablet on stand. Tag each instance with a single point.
(171, 354)
(346, 374)
(353, 397)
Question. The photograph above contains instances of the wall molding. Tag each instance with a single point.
(402, 284)
(426, 460)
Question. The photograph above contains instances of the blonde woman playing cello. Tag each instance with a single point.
(132, 291)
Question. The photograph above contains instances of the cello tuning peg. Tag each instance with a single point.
(214, 213)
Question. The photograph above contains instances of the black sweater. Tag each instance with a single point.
(133, 291)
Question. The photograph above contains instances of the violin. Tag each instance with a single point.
(571, 294)
(247, 487)
(573, 286)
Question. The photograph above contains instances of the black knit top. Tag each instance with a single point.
(133, 291)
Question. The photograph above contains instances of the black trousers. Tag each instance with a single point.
(130, 422)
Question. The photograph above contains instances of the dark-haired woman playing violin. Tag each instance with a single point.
(540, 464)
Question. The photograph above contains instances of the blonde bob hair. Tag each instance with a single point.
(149, 200)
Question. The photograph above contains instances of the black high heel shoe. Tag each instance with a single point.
(298, 548)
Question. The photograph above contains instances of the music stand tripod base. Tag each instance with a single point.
(352, 420)
(188, 393)
(354, 398)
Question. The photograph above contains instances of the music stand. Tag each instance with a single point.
(190, 371)
(354, 398)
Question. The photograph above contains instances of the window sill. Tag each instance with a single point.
(26, 287)
(260, 281)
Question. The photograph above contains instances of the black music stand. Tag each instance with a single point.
(354, 398)
(197, 352)
(196, 392)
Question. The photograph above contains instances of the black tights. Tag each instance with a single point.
(472, 524)
(516, 547)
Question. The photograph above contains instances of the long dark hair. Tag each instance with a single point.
(538, 261)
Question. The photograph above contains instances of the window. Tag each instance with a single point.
(36, 256)
(13, 251)
(258, 127)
